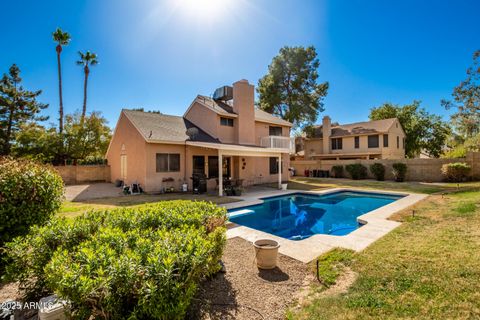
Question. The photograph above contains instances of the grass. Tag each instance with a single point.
(428, 268)
(302, 183)
(331, 265)
(73, 209)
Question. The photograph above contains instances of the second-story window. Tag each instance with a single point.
(385, 140)
(337, 144)
(228, 122)
(398, 142)
(373, 141)
(357, 142)
(274, 131)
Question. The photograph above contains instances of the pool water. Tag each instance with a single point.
(300, 215)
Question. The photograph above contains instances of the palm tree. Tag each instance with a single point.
(62, 39)
(86, 59)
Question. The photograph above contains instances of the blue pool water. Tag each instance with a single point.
(300, 215)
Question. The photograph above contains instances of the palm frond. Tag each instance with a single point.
(63, 38)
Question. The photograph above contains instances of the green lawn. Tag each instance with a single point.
(419, 187)
(72, 209)
(428, 268)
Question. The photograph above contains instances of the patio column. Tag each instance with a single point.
(280, 171)
(220, 174)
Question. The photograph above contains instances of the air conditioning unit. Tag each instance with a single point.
(224, 93)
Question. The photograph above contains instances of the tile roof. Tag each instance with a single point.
(357, 128)
(162, 127)
(226, 109)
(263, 116)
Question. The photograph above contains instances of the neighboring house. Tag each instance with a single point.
(380, 139)
(220, 137)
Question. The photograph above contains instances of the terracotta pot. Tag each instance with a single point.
(266, 252)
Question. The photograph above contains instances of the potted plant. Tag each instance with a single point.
(228, 191)
(237, 191)
(284, 185)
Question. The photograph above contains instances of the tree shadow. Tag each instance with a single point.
(273, 275)
(215, 299)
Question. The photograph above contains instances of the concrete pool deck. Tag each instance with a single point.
(376, 225)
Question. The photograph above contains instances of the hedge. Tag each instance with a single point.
(337, 171)
(399, 171)
(132, 263)
(30, 193)
(378, 170)
(357, 171)
(455, 172)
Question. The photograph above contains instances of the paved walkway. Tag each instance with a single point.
(91, 191)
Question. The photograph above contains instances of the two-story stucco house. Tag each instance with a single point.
(380, 139)
(220, 137)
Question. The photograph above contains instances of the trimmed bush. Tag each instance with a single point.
(30, 194)
(131, 263)
(455, 172)
(357, 171)
(378, 171)
(399, 171)
(337, 171)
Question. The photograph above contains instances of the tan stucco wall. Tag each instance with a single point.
(315, 146)
(226, 134)
(135, 147)
(243, 106)
(417, 169)
(262, 130)
(209, 121)
(153, 180)
(256, 171)
(203, 118)
(84, 174)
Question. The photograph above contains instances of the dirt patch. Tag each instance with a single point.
(244, 291)
(344, 281)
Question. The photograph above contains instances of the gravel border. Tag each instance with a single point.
(244, 291)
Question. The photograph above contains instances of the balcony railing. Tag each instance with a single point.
(278, 142)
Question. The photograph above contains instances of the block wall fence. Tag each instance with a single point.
(84, 174)
(426, 170)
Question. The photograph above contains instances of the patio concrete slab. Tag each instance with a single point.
(375, 225)
(91, 191)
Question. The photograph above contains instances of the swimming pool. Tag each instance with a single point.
(300, 215)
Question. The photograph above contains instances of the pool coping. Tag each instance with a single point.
(375, 224)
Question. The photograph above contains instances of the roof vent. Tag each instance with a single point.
(224, 93)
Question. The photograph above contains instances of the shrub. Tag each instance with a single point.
(30, 193)
(399, 171)
(455, 172)
(378, 170)
(135, 263)
(337, 171)
(357, 171)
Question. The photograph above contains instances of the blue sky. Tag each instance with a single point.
(159, 54)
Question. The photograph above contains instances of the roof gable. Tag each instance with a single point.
(224, 109)
(156, 127)
(357, 128)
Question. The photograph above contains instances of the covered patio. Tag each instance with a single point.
(240, 153)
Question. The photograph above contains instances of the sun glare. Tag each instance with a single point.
(207, 9)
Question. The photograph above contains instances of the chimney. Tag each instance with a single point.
(326, 131)
(243, 106)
